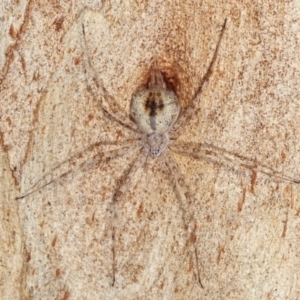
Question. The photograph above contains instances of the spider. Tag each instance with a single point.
(156, 116)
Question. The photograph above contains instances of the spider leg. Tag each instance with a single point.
(122, 186)
(90, 157)
(100, 94)
(190, 109)
(180, 189)
(223, 157)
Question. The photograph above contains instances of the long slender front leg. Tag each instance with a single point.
(190, 109)
(91, 157)
(180, 189)
(225, 158)
(100, 94)
(122, 186)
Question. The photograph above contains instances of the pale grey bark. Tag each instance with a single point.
(247, 232)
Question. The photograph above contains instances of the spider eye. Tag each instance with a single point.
(154, 152)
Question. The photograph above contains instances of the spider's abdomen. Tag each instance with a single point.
(155, 109)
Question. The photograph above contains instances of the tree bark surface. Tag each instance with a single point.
(58, 244)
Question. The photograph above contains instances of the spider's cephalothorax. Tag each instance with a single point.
(155, 110)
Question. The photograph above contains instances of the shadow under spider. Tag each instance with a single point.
(155, 115)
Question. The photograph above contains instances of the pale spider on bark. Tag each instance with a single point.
(155, 114)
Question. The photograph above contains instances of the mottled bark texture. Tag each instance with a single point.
(247, 223)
